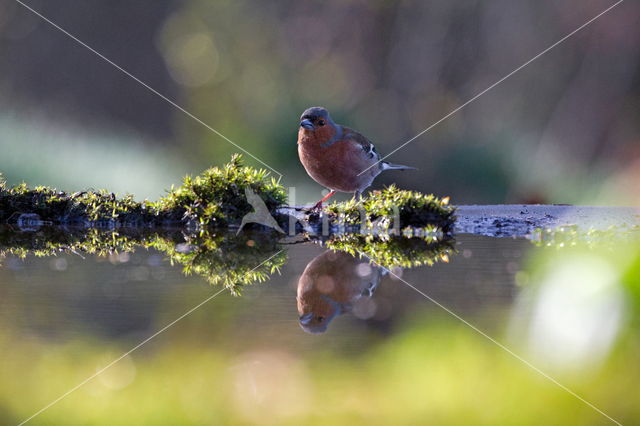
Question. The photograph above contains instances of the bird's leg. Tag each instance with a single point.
(318, 205)
(357, 195)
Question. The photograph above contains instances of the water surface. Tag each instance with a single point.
(568, 310)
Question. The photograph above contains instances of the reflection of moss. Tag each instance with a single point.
(392, 251)
(101, 223)
(381, 207)
(227, 259)
(573, 235)
(216, 197)
(222, 259)
(49, 241)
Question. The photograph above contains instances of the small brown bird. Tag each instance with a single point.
(331, 284)
(338, 157)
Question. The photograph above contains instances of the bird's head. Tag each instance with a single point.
(315, 323)
(317, 319)
(315, 118)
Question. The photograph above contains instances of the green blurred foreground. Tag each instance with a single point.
(442, 373)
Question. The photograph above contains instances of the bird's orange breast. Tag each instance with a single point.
(331, 274)
(335, 166)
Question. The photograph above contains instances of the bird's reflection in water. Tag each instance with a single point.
(330, 285)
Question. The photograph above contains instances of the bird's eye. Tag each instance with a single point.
(320, 319)
(320, 122)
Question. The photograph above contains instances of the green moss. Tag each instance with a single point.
(217, 196)
(56, 206)
(214, 198)
(382, 209)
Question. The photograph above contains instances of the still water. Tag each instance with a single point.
(328, 337)
(127, 293)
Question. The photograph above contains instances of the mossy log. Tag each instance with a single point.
(218, 198)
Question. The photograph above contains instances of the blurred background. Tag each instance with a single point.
(565, 129)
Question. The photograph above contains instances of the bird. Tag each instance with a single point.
(337, 157)
(331, 284)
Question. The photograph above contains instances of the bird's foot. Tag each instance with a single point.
(316, 208)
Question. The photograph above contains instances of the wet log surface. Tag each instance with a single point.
(518, 220)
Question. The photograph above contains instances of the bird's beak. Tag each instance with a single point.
(306, 318)
(307, 124)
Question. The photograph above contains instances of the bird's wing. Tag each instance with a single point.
(367, 147)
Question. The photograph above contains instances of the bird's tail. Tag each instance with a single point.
(390, 166)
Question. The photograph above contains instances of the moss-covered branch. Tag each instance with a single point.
(217, 198)
(393, 211)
